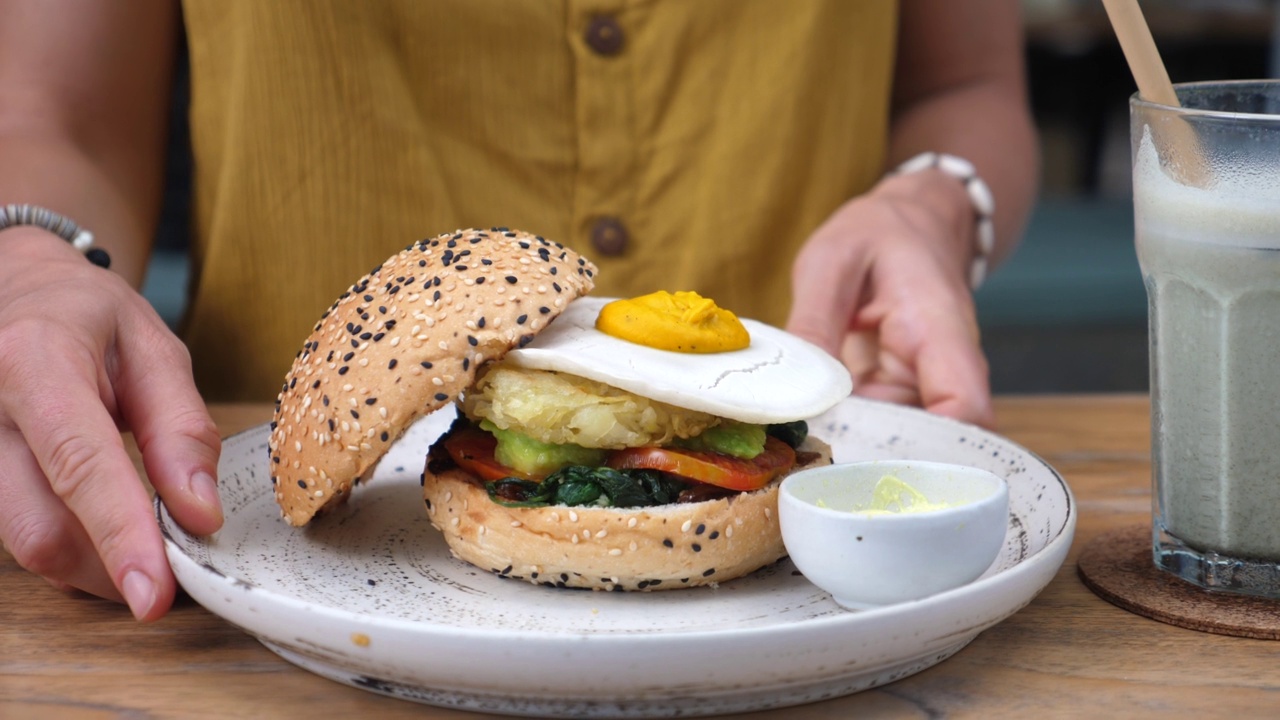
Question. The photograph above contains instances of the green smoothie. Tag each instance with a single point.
(1211, 262)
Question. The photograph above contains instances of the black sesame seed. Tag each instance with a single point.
(425, 364)
(668, 543)
(385, 436)
(382, 309)
(696, 547)
(472, 341)
(441, 397)
(325, 400)
(368, 298)
(355, 415)
(348, 356)
(544, 310)
(480, 323)
(302, 484)
(343, 370)
(379, 336)
(466, 363)
(366, 336)
(459, 268)
(521, 320)
(700, 529)
(371, 582)
(315, 385)
(512, 279)
(435, 296)
(708, 572)
(480, 281)
(332, 427)
(714, 534)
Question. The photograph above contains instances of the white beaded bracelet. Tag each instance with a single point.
(984, 204)
(58, 224)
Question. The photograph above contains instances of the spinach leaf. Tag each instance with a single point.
(578, 485)
(792, 433)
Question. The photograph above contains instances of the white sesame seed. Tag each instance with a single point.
(728, 531)
(685, 527)
(574, 538)
(573, 516)
(382, 411)
(633, 546)
(353, 448)
(297, 445)
(454, 522)
(484, 529)
(352, 402)
(437, 381)
(615, 551)
(768, 513)
(364, 362)
(448, 496)
(586, 534)
(319, 493)
(602, 533)
(395, 341)
(631, 523)
(516, 523)
(555, 517)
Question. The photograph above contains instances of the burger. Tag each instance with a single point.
(578, 458)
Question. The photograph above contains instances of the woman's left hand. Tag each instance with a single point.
(883, 285)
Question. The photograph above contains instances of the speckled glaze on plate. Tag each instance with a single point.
(370, 596)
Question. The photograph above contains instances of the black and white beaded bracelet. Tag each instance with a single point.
(984, 204)
(60, 225)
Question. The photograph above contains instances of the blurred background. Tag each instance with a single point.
(1067, 313)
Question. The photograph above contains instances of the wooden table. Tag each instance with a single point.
(1066, 654)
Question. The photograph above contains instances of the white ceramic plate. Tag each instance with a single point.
(370, 596)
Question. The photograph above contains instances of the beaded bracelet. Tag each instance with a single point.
(60, 225)
(984, 204)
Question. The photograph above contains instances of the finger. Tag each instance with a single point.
(178, 440)
(38, 529)
(953, 372)
(827, 284)
(75, 442)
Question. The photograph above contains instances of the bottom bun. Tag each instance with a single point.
(653, 548)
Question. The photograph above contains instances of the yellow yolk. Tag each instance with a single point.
(680, 322)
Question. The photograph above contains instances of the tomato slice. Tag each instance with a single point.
(472, 449)
(711, 468)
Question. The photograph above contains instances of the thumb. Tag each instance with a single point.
(826, 288)
(178, 440)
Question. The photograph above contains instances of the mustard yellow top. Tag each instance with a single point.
(680, 144)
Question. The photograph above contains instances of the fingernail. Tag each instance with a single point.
(139, 592)
(205, 489)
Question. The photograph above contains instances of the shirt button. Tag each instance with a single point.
(609, 237)
(604, 35)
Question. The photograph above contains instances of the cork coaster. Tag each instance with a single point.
(1117, 567)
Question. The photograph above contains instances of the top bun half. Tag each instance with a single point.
(405, 340)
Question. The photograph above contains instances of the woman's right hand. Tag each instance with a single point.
(83, 356)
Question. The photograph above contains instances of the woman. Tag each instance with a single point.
(698, 146)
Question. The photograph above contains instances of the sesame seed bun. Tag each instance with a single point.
(652, 548)
(405, 340)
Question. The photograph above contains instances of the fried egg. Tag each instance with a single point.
(777, 378)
